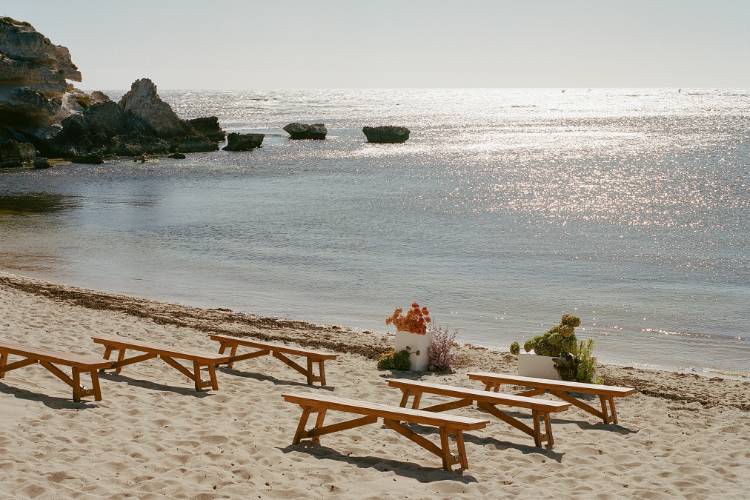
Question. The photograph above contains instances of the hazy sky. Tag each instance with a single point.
(356, 43)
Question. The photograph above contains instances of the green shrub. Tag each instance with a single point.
(578, 366)
(392, 360)
(515, 348)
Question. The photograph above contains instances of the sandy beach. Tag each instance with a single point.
(152, 436)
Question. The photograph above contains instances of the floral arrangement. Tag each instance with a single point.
(415, 321)
(393, 360)
(574, 360)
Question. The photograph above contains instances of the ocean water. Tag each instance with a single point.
(505, 209)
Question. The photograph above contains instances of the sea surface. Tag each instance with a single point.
(504, 210)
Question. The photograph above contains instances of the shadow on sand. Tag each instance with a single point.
(54, 402)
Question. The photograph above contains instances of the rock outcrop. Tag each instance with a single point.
(143, 102)
(243, 142)
(306, 131)
(34, 75)
(386, 134)
(39, 106)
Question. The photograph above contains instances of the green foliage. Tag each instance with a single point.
(515, 348)
(394, 361)
(558, 340)
(578, 366)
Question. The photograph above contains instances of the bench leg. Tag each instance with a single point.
(95, 385)
(404, 397)
(120, 358)
(417, 400)
(322, 371)
(3, 363)
(309, 371)
(580, 404)
(197, 376)
(613, 410)
(461, 450)
(603, 402)
(212, 376)
(301, 426)
(445, 448)
(232, 353)
(319, 423)
(548, 430)
(76, 384)
(537, 431)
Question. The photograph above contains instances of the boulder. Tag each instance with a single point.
(386, 134)
(306, 131)
(98, 96)
(243, 142)
(177, 156)
(91, 159)
(208, 126)
(143, 101)
(16, 154)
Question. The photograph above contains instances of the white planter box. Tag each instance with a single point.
(531, 365)
(417, 345)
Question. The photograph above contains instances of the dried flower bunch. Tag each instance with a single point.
(415, 321)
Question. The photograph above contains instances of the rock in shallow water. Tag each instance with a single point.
(208, 126)
(306, 131)
(143, 101)
(16, 154)
(243, 142)
(386, 134)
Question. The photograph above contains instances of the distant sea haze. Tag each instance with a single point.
(505, 209)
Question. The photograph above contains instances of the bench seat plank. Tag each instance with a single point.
(171, 351)
(58, 357)
(481, 395)
(394, 418)
(245, 341)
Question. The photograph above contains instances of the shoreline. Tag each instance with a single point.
(707, 388)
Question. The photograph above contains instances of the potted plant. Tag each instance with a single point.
(412, 334)
(557, 354)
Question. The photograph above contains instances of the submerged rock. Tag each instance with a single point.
(16, 154)
(306, 131)
(194, 144)
(208, 126)
(243, 142)
(177, 156)
(386, 134)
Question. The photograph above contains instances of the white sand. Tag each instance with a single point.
(153, 437)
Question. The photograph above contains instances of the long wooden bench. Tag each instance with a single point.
(278, 351)
(562, 389)
(49, 360)
(393, 417)
(166, 353)
(487, 401)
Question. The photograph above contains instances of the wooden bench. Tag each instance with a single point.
(167, 353)
(562, 389)
(487, 401)
(49, 359)
(393, 417)
(278, 351)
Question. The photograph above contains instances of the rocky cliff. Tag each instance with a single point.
(41, 108)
